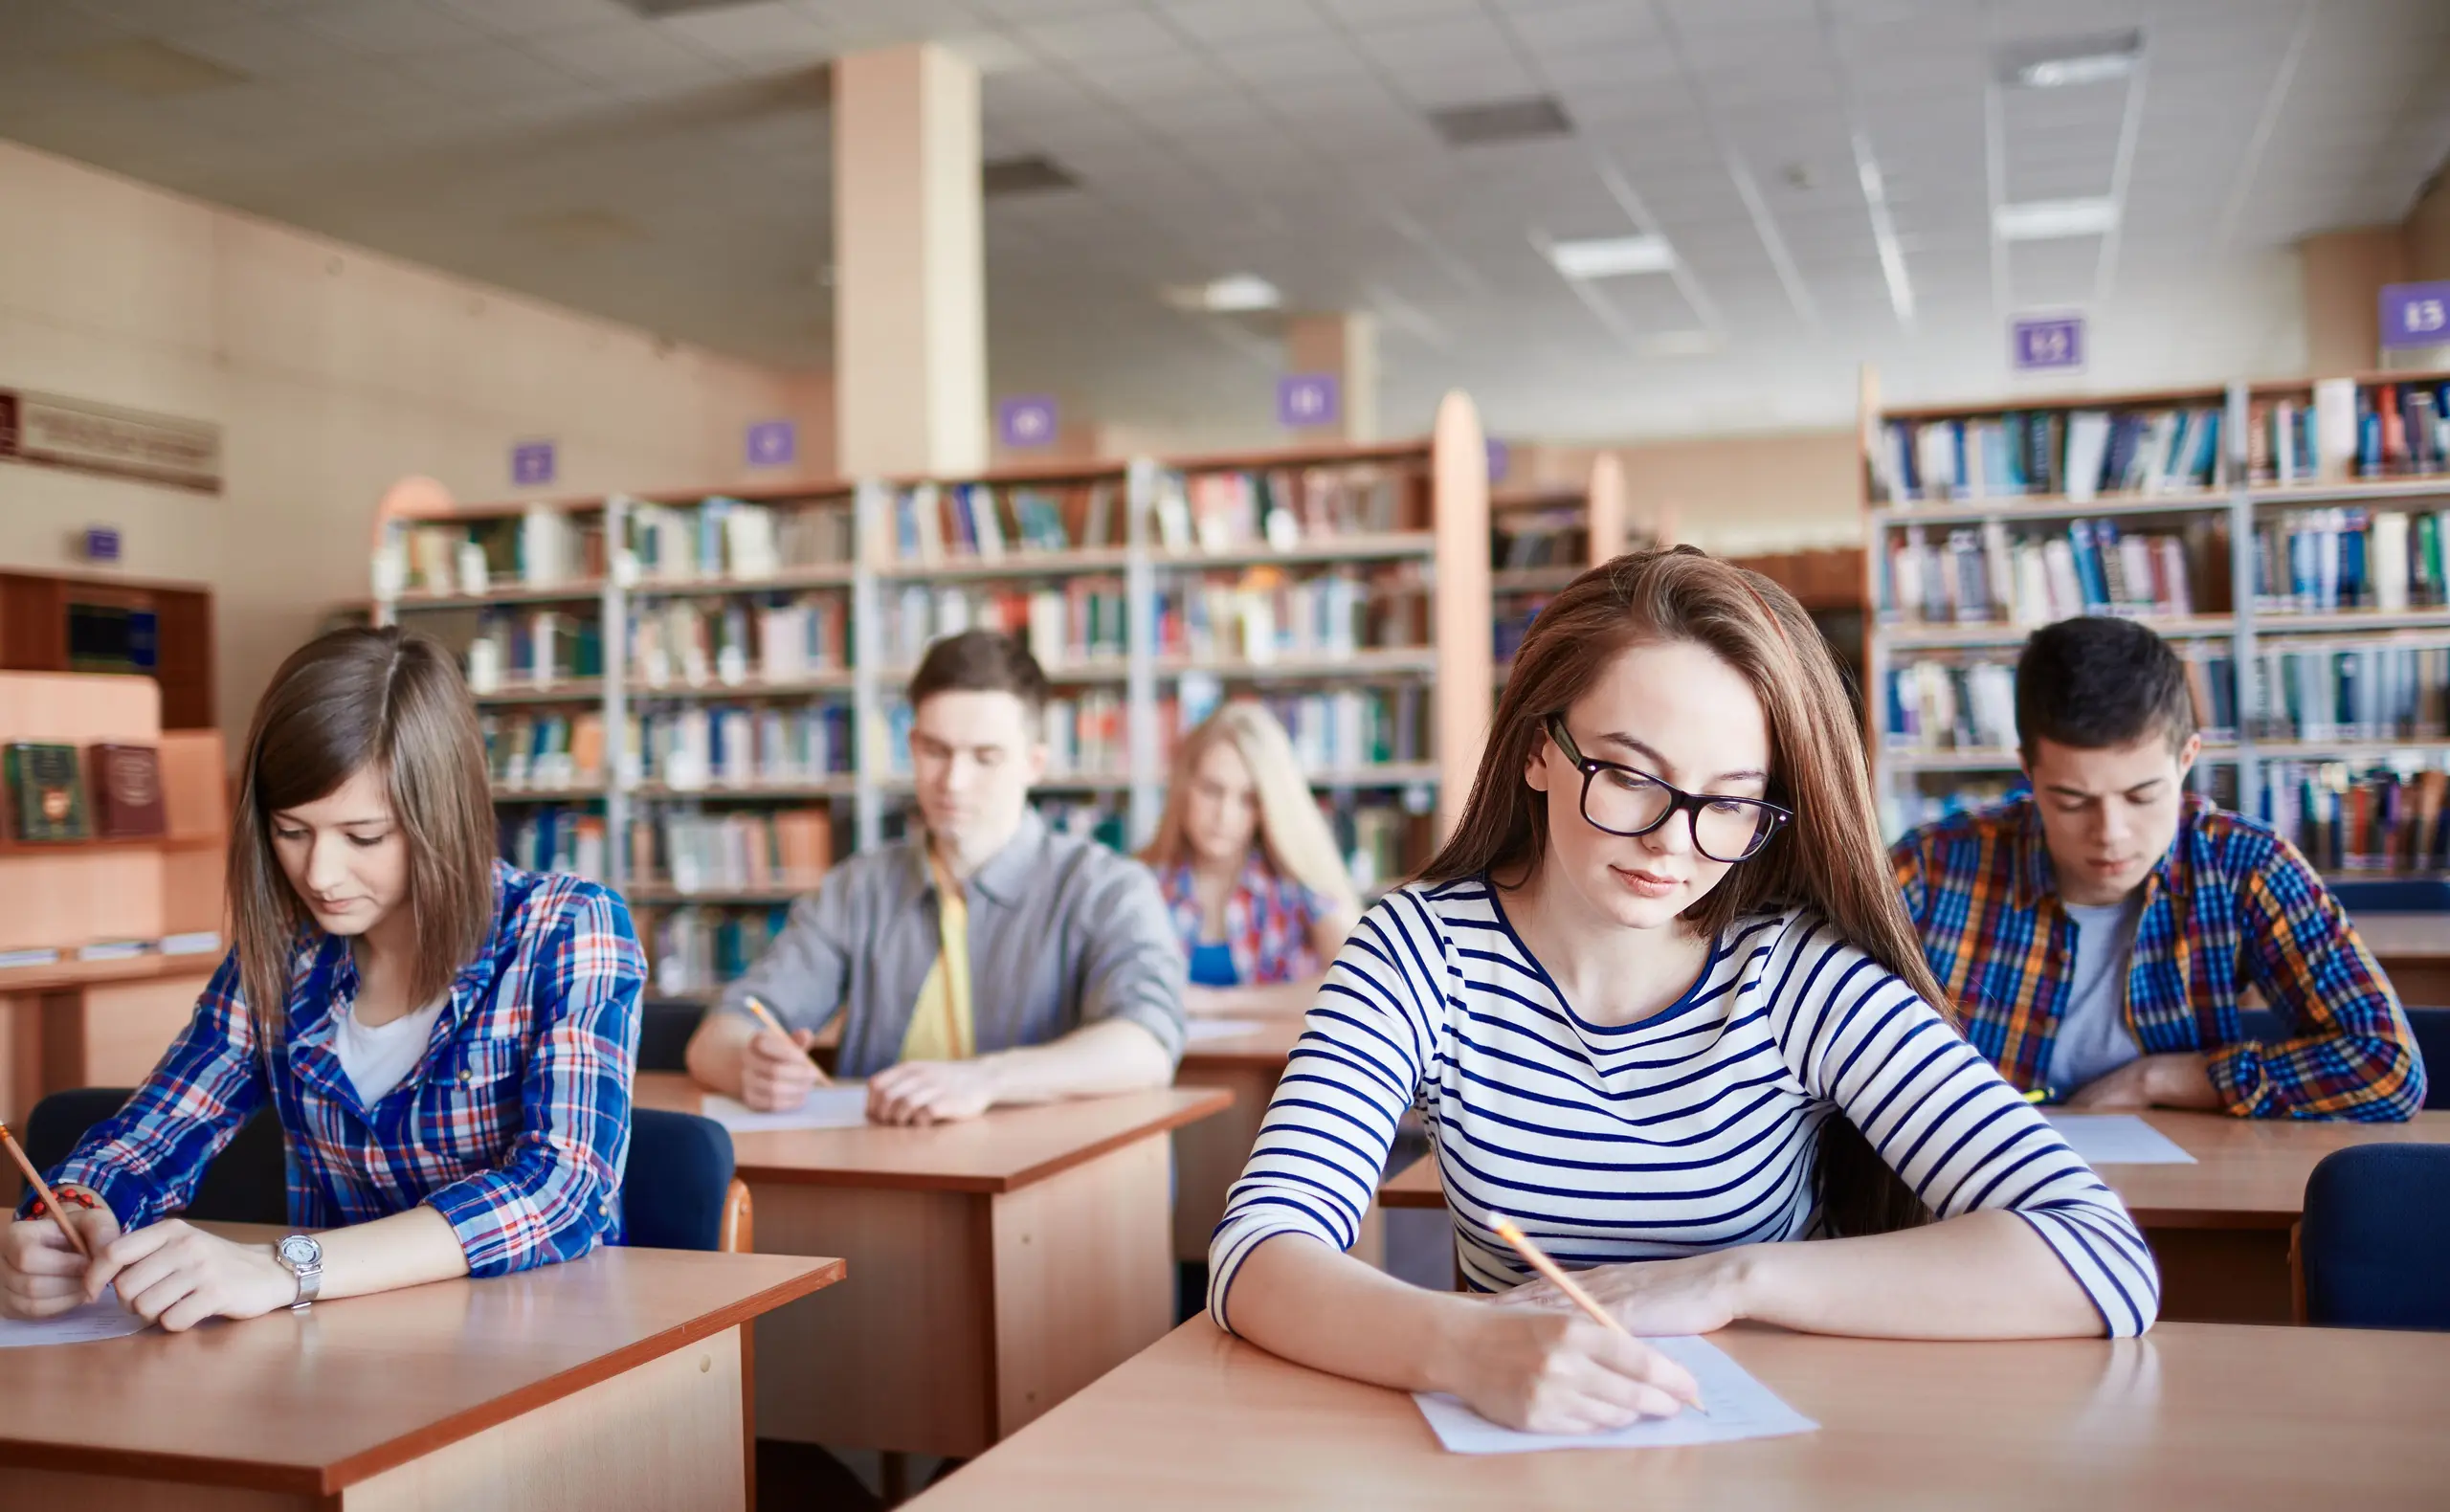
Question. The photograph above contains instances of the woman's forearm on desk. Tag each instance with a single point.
(1980, 1276)
(407, 1249)
(1093, 1061)
(1275, 997)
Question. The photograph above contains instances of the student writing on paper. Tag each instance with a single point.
(2098, 930)
(1248, 867)
(983, 960)
(1659, 1005)
(447, 1042)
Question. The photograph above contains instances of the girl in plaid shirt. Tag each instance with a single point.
(447, 1042)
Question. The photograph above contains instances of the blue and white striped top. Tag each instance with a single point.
(1692, 1130)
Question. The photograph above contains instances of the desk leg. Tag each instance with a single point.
(2234, 1276)
(1209, 1154)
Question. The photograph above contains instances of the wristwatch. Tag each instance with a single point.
(303, 1255)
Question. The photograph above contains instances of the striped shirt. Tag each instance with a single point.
(1692, 1130)
(514, 1125)
(2232, 905)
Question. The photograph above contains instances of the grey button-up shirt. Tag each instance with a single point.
(1062, 932)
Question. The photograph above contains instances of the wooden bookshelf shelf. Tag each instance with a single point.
(1982, 511)
(840, 681)
(2269, 623)
(663, 895)
(68, 973)
(2349, 748)
(829, 574)
(1088, 669)
(1945, 637)
(1378, 774)
(840, 786)
(576, 690)
(1969, 761)
(2383, 491)
(1013, 564)
(1324, 551)
(571, 593)
(1377, 662)
(524, 792)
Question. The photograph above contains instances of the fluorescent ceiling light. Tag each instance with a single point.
(1611, 256)
(2044, 219)
(1892, 255)
(2068, 62)
(1233, 294)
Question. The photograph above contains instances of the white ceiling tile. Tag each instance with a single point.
(387, 27)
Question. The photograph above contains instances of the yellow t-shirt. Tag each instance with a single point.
(940, 1022)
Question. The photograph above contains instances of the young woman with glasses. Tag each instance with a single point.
(1660, 1005)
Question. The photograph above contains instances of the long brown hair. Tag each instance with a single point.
(349, 702)
(1829, 859)
(1293, 836)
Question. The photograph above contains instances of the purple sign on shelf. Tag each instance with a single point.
(531, 463)
(771, 443)
(1303, 400)
(2044, 342)
(2416, 315)
(102, 544)
(1026, 421)
(1497, 459)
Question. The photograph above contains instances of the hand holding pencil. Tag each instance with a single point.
(775, 1071)
(43, 1261)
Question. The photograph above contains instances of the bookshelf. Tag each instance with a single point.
(1542, 536)
(2289, 537)
(745, 727)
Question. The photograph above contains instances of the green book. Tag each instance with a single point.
(46, 792)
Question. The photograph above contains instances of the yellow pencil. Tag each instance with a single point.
(765, 1016)
(42, 1190)
(1556, 1274)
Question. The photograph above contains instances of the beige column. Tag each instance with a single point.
(1346, 346)
(909, 265)
(2343, 272)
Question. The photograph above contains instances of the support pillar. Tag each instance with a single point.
(1344, 345)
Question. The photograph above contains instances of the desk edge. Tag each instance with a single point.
(1215, 1100)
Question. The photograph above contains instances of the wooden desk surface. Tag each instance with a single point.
(2249, 1173)
(2405, 937)
(1263, 1047)
(1006, 1149)
(2170, 1420)
(315, 1402)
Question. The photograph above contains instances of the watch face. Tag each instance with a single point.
(300, 1250)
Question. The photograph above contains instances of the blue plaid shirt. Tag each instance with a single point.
(514, 1128)
(2232, 905)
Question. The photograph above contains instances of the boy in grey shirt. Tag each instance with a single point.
(984, 960)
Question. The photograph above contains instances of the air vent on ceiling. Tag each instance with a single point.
(1501, 121)
(656, 8)
(1033, 174)
(152, 70)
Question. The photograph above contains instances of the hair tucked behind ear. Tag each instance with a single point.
(1830, 859)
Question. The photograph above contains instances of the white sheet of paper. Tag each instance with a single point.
(1207, 1031)
(1740, 1407)
(101, 1319)
(2117, 1139)
(844, 1107)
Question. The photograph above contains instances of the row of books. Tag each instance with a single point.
(1382, 842)
(1266, 612)
(2081, 453)
(1083, 620)
(2403, 427)
(1283, 507)
(739, 746)
(729, 538)
(544, 750)
(1934, 707)
(694, 852)
(2346, 820)
(2318, 561)
(694, 950)
(535, 648)
(1521, 540)
(51, 800)
(538, 548)
(1348, 728)
(934, 523)
(554, 837)
(698, 643)
(2330, 692)
(1511, 624)
(2031, 577)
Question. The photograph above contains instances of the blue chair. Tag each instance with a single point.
(678, 1191)
(247, 1183)
(2374, 1247)
(2413, 895)
(665, 1028)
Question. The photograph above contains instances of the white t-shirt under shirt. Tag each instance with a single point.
(379, 1059)
(2093, 1039)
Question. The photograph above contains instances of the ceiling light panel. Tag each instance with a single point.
(1499, 120)
(2043, 220)
(2070, 62)
(1611, 256)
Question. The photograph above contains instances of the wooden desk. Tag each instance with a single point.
(2414, 953)
(611, 1382)
(2219, 1227)
(1001, 1264)
(2174, 1419)
(1209, 1155)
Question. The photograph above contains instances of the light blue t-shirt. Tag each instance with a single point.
(2093, 1038)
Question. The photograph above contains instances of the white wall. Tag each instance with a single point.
(332, 371)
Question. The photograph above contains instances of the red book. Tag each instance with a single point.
(127, 781)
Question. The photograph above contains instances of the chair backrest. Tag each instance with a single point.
(247, 1183)
(665, 1028)
(2432, 1026)
(2373, 1247)
(675, 1192)
(2406, 895)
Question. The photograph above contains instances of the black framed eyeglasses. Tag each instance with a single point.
(1620, 800)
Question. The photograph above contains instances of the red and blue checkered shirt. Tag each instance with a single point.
(1267, 922)
(515, 1126)
(2232, 905)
